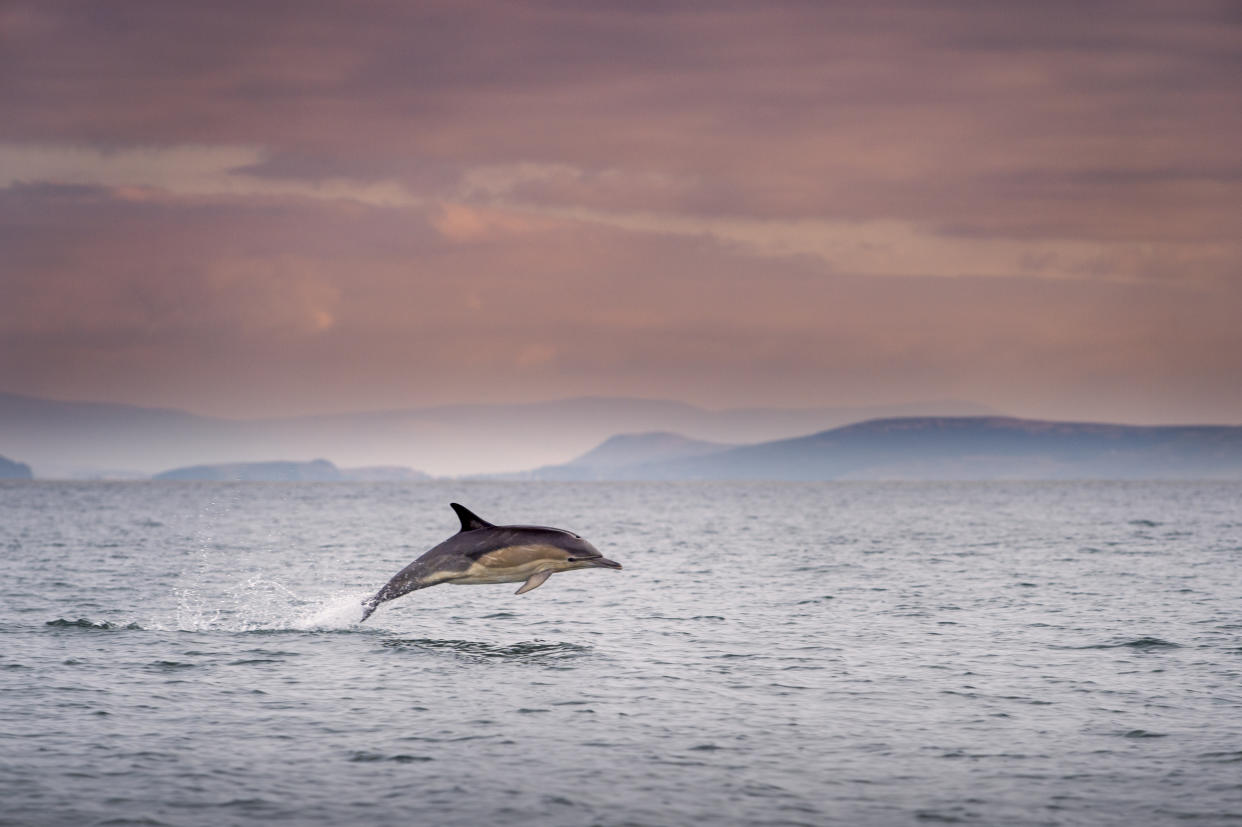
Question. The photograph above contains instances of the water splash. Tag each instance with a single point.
(263, 604)
(339, 612)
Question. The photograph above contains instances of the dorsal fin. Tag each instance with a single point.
(469, 520)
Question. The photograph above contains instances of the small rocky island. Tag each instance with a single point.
(319, 470)
(12, 470)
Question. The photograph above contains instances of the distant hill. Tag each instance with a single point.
(11, 470)
(319, 470)
(76, 439)
(657, 446)
(383, 473)
(935, 448)
(606, 460)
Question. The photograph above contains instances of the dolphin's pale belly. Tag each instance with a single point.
(512, 565)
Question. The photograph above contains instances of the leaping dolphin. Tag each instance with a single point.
(486, 553)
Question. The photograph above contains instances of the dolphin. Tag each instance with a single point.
(486, 553)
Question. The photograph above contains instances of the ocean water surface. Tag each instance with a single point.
(772, 654)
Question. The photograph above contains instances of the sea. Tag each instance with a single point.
(991, 653)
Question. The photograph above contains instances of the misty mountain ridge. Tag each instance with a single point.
(904, 448)
(76, 439)
(631, 449)
(603, 438)
(619, 452)
(965, 448)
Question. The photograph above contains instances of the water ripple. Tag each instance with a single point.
(533, 651)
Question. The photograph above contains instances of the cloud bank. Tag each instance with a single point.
(319, 206)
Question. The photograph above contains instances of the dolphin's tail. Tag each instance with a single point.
(406, 581)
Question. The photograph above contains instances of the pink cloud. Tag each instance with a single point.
(436, 201)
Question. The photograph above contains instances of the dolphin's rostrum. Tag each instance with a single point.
(486, 553)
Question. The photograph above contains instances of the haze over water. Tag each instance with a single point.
(855, 653)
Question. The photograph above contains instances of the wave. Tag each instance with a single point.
(529, 651)
(96, 625)
(1142, 644)
(400, 758)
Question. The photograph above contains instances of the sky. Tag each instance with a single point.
(270, 209)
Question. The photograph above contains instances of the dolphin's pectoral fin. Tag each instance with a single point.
(534, 581)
